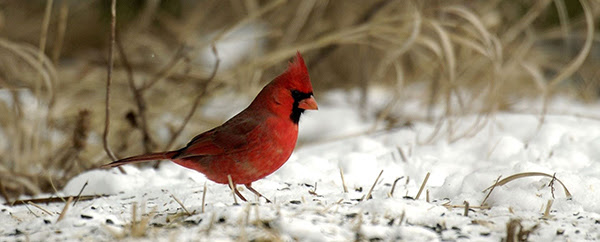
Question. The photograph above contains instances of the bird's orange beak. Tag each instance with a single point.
(308, 104)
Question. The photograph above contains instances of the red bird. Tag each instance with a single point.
(255, 142)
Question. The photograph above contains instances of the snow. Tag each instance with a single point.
(309, 203)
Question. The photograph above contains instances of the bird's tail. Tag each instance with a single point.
(142, 158)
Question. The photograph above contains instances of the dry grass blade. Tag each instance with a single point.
(529, 174)
(54, 188)
(368, 196)
(40, 208)
(61, 30)
(80, 191)
(343, 181)
(204, 197)
(450, 206)
(65, 209)
(490, 192)
(139, 228)
(181, 204)
(514, 31)
(394, 186)
(422, 185)
(548, 207)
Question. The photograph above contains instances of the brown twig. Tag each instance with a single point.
(113, 22)
(54, 199)
(137, 95)
(197, 100)
(551, 184)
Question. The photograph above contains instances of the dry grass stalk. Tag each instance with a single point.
(402, 155)
(529, 174)
(65, 209)
(516, 232)
(548, 207)
(40, 208)
(422, 185)
(368, 196)
(451, 206)
(490, 191)
(139, 228)
(61, 30)
(181, 204)
(80, 191)
(54, 188)
(343, 180)
(204, 198)
(391, 194)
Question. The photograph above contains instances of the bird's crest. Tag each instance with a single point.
(296, 76)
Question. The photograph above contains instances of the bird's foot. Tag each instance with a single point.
(256, 192)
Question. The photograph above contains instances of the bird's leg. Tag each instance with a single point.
(249, 186)
(233, 187)
(237, 192)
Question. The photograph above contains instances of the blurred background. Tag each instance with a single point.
(203, 61)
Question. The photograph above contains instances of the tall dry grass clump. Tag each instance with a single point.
(455, 57)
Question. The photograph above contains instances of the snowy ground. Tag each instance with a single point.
(309, 203)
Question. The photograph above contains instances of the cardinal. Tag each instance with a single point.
(255, 142)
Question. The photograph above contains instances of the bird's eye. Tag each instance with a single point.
(298, 95)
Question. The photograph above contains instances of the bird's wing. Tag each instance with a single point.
(231, 137)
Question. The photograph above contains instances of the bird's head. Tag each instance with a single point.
(291, 92)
